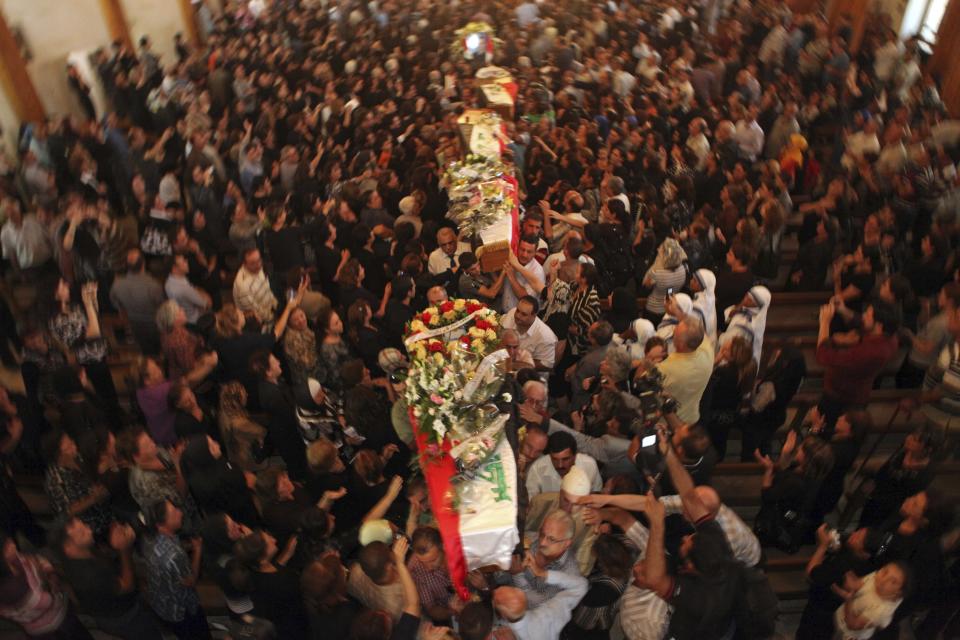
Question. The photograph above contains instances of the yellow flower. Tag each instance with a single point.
(432, 311)
(459, 304)
(477, 345)
(491, 335)
(420, 352)
(416, 326)
(475, 332)
(434, 320)
(452, 346)
(438, 358)
(449, 315)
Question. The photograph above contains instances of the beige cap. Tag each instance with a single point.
(576, 483)
(376, 531)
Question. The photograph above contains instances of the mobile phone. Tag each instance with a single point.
(670, 292)
(291, 294)
(649, 441)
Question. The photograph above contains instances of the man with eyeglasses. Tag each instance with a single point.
(550, 553)
(518, 357)
(442, 262)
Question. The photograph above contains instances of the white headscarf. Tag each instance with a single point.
(705, 302)
(749, 322)
(669, 323)
(644, 330)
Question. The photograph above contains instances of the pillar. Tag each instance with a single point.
(190, 22)
(116, 21)
(857, 12)
(945, 61)
(16, 80)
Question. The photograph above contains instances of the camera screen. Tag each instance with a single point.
(648, 441)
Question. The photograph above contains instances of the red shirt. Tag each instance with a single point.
(850, 371)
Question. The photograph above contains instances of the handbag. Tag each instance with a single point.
(782, 529)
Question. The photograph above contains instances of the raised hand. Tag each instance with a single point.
(400, 547)
(762, 459)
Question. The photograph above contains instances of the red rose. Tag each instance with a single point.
(446, 306)
(465, 340)
(482, 324)
(425, 317)
(473, 306)
(436, 346)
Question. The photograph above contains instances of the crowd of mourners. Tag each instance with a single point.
(262, 215)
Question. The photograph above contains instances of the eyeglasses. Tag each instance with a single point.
(551, 540)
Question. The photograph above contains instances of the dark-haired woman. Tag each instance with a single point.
(29, 598)
(215, 483)
(324, 586)
(908, 471)
(364, 335)
(220, 533)
(77, 328)
(70, 489)
(274, 588)
(789, 491)
(594, 616)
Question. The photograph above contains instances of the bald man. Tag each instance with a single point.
(548, 619)
(743, 543)
(745, 546)
(436, 294)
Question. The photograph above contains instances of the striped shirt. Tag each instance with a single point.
(251, 292)
(945, 374)
(664, 279)
(643, 614)
(39, 610)
(745, 546)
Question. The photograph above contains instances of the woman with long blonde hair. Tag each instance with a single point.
(241, 435)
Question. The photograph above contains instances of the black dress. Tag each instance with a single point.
(278, 598)
(283, 428)
(892, 485)
(334, 622)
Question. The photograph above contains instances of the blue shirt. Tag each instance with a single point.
(546, 621)
(167, 565)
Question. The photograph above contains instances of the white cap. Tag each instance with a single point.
(407, 204)
(576, 483)
(375, 531)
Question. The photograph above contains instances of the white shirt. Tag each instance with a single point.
(862, 143)
(438, 262)
(251, 292)
(28, 244)
(886, 59)
(539, 339)
(543, 478)
(548, 620)
(510, 298)
(867, 603)
(527, 14)
(749, 138)
(700, 147)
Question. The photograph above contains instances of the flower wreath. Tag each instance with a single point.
(453, 381)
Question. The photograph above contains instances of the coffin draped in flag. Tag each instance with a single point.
(452, 390)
